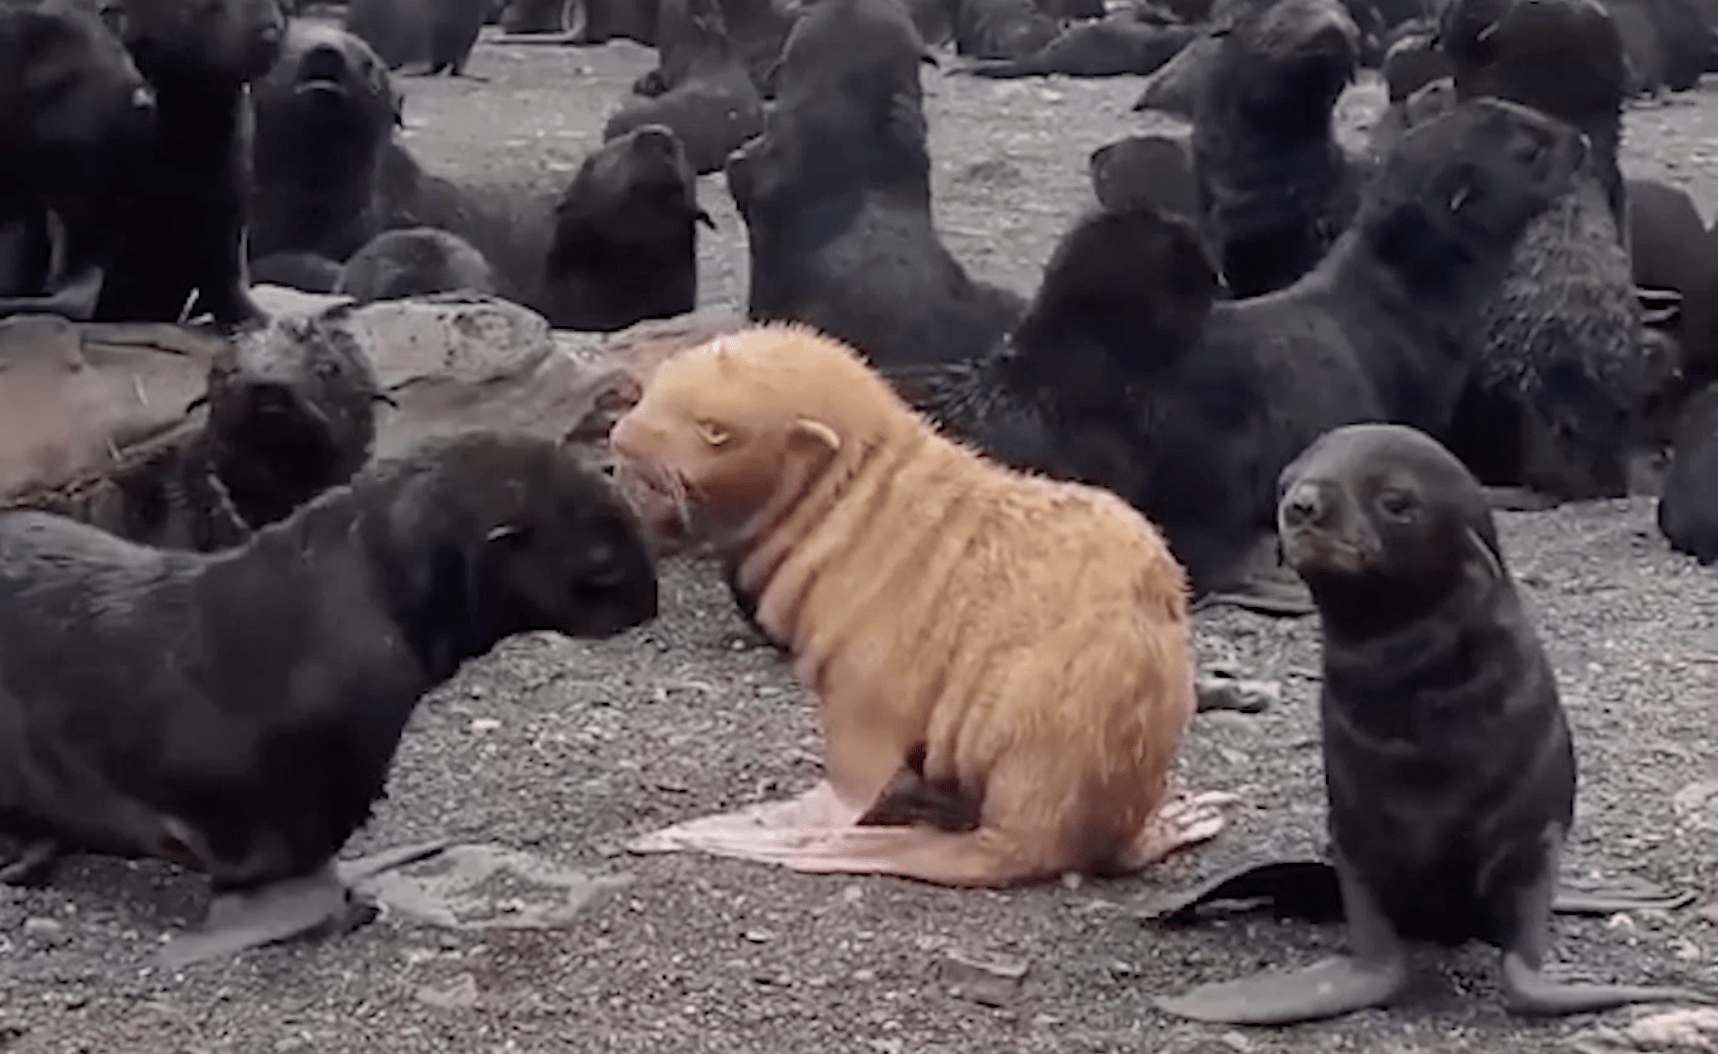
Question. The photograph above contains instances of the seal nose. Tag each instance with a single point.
(143, 99)
(1303, 506)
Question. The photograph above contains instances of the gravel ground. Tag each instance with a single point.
(566, 749)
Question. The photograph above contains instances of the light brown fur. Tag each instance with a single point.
(1027, 638)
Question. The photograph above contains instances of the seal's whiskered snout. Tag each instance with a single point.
(1305, 505)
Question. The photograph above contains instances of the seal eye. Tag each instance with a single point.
(1397, 504)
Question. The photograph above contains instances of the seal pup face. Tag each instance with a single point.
(636, 189)
(549, 543)
(188, 41)
(1463, 186)
(735, 431)
(1301, 50)
(326, 79)
(1385, 518)
(75, 102)
(291, 413)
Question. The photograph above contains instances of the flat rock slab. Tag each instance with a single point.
(483, 887)
(74, 397)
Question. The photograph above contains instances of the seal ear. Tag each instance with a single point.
(506, 530)
(1488, 553)
(815, 431)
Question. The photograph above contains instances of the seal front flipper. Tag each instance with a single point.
(1300, 889)
(1527, 929)
(31, 866)
(1371, 975)
(312, 905)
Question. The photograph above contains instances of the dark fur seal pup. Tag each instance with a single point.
(1449, 769)
(1001, 29)
(710, 102)
(1124, 294)
(415, 261)
(306, 272)
(1108, 47)
(1154, 170)
(626, 237)
(182, 243)
(75, 117)
(1275, 189)
(1562, 373)
(1671, 249)
(1688, 509)
(247, 739)
(291, 413)
(438, 33)
(1381, 329)
(324, 113)
(836, 197)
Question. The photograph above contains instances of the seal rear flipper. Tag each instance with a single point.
(313, 905)
(1524, 913)
(1373, 973)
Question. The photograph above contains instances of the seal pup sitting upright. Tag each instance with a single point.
(1275, 188)
(1449, 769)
(836, 196)
(248, 704)
(1002, 660)
(707, 96)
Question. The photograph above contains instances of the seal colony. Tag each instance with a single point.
(1027, 717)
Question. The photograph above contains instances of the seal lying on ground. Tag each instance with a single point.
(708, 97)
(438, 33)
(1275, 189)
(1027, 721)
(1001, 29)
(415, 261)
(836, 196)
(291, 413)
(324, 114)
(626, 237)
(1449, 769)
(248, 704)
(76, 116)
(1108, 47)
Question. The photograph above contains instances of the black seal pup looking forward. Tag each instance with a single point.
(247, 704)
(1449, 768)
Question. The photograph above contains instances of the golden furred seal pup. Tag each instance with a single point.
(1002, 661)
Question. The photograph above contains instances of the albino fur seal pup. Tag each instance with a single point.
(1002, 661)
(1449, 769)
(248, 704)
